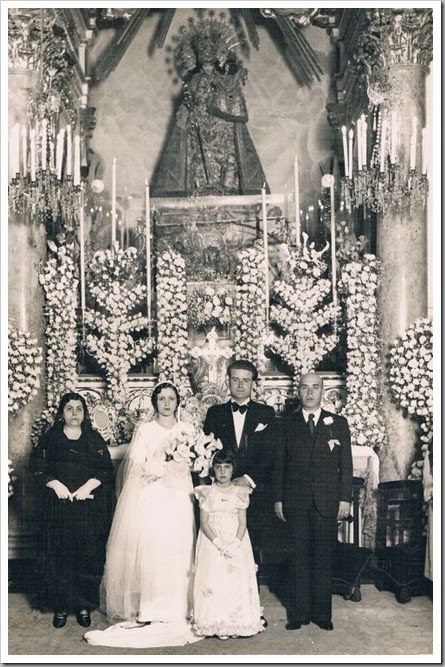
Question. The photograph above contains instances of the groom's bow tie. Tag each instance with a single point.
(241, 408)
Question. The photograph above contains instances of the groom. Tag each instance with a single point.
(248, 428)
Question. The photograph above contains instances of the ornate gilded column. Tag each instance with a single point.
(399, 43)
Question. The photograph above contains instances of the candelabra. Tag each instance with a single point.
(385, 190)
(46, 196)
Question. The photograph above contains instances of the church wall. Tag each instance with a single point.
(135, 104)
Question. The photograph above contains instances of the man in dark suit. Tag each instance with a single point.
(312, 487)
(248, 428)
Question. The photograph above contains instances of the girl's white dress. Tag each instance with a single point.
(225, 593)
(148, 574)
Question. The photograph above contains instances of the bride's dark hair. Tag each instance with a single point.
(157, 390)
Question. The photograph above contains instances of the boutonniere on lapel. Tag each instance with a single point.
(260, 427)
(332, 444)
(327, 421)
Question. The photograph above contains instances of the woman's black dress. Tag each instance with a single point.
(73, 533)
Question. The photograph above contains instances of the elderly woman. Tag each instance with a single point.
(73, 467)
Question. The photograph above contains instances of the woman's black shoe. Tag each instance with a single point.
(83, 618)
(59, 619)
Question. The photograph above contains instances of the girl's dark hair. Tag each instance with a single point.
(157, 390)
(73, 396)
(224, 456)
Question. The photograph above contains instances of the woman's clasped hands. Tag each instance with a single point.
(84, 492)
(227, 550)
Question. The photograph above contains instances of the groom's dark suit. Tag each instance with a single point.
(255, 452)
(310, 478)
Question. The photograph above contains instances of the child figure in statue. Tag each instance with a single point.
(209, 151)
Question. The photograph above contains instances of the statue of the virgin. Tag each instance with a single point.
(209, 151)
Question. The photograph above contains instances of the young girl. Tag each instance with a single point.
(225, 593)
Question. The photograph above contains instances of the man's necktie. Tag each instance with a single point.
(311, 423)
(241, 408)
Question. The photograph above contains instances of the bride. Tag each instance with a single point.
(148, 571)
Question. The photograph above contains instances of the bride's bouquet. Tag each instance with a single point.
(191, 445)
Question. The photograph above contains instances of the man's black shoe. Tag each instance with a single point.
(296, 626)
(83, 618)
(324, 625)
(59, 619)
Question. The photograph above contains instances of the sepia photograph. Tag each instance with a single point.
(221, 280)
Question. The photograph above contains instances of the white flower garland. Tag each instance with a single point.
(212, 306)
(58, 278)
(250, 305)
(173, 357)
(118, 290)
(11, 479)
(360, 282)
(302, 310)
(24, 366)
(411, 380)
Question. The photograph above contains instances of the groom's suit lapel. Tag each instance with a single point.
(229, 423)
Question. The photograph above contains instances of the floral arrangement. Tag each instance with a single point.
(302, 316)
(11, 479)
(360, 282)
(173, 358)
(250, 305)
(211, 307)
(24, 366)
(411, 380)
(118, 289)
(59, 282)
(192, 446)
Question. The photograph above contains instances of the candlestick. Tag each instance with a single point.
(14, 150)
(328, 181)
(297, 203)
(25, 150)
(351, 138)
(113, 203)
(76, 177)
(266, 250)
(148, 249)
(32, 140)
(413, 144)
(359, 144)
(424, 150)
(383, 146)
(69, 154)
(43, 138)
(82, 260)
(345, 150)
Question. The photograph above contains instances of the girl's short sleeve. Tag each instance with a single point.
(202, 494)
(242, 497)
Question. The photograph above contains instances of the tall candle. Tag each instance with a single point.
(69, 154)
(266, 250)
(24, 150)
(82, 259)
(359, 144)
(424, 150)
(113, 203)
(333, 258)
(76, 177)
(59, 153)
(351, 138)
(14, 151)
(297, 203)
(43, 138)
(364, 142)
(393, 137)
(413, 144)
(345, 150)
(32, 141)
(148, 248)
(383, 146)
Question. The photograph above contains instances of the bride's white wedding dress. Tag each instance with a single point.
(148, 572)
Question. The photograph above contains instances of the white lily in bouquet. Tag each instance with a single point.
(191, 445)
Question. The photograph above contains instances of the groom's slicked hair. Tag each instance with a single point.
(243, 365)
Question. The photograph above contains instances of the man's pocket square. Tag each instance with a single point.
(332, 444)
(260, 427)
